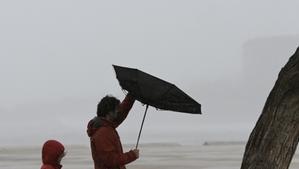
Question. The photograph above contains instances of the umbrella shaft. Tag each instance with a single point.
(141, 126)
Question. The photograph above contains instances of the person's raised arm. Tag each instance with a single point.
(124, 109)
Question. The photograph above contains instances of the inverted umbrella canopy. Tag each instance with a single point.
(155, 92)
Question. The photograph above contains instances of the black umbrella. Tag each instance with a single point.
(155, 92)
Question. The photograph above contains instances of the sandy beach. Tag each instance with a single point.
(153, 156)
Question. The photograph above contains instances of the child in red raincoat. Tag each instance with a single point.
(52, 154)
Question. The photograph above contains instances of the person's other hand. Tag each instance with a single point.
(136, 151)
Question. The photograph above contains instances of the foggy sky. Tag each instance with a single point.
(56, 64)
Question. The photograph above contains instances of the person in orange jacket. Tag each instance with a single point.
(106, 147)
(52, 154)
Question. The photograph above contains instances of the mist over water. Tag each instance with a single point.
(56, 64)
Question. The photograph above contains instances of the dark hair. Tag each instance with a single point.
(107, 104)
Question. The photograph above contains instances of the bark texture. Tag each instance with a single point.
(274, 139)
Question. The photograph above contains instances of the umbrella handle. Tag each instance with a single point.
(141, 126)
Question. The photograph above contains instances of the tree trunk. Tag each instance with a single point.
(274, 139)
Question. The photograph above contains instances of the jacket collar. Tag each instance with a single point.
(107, 123)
